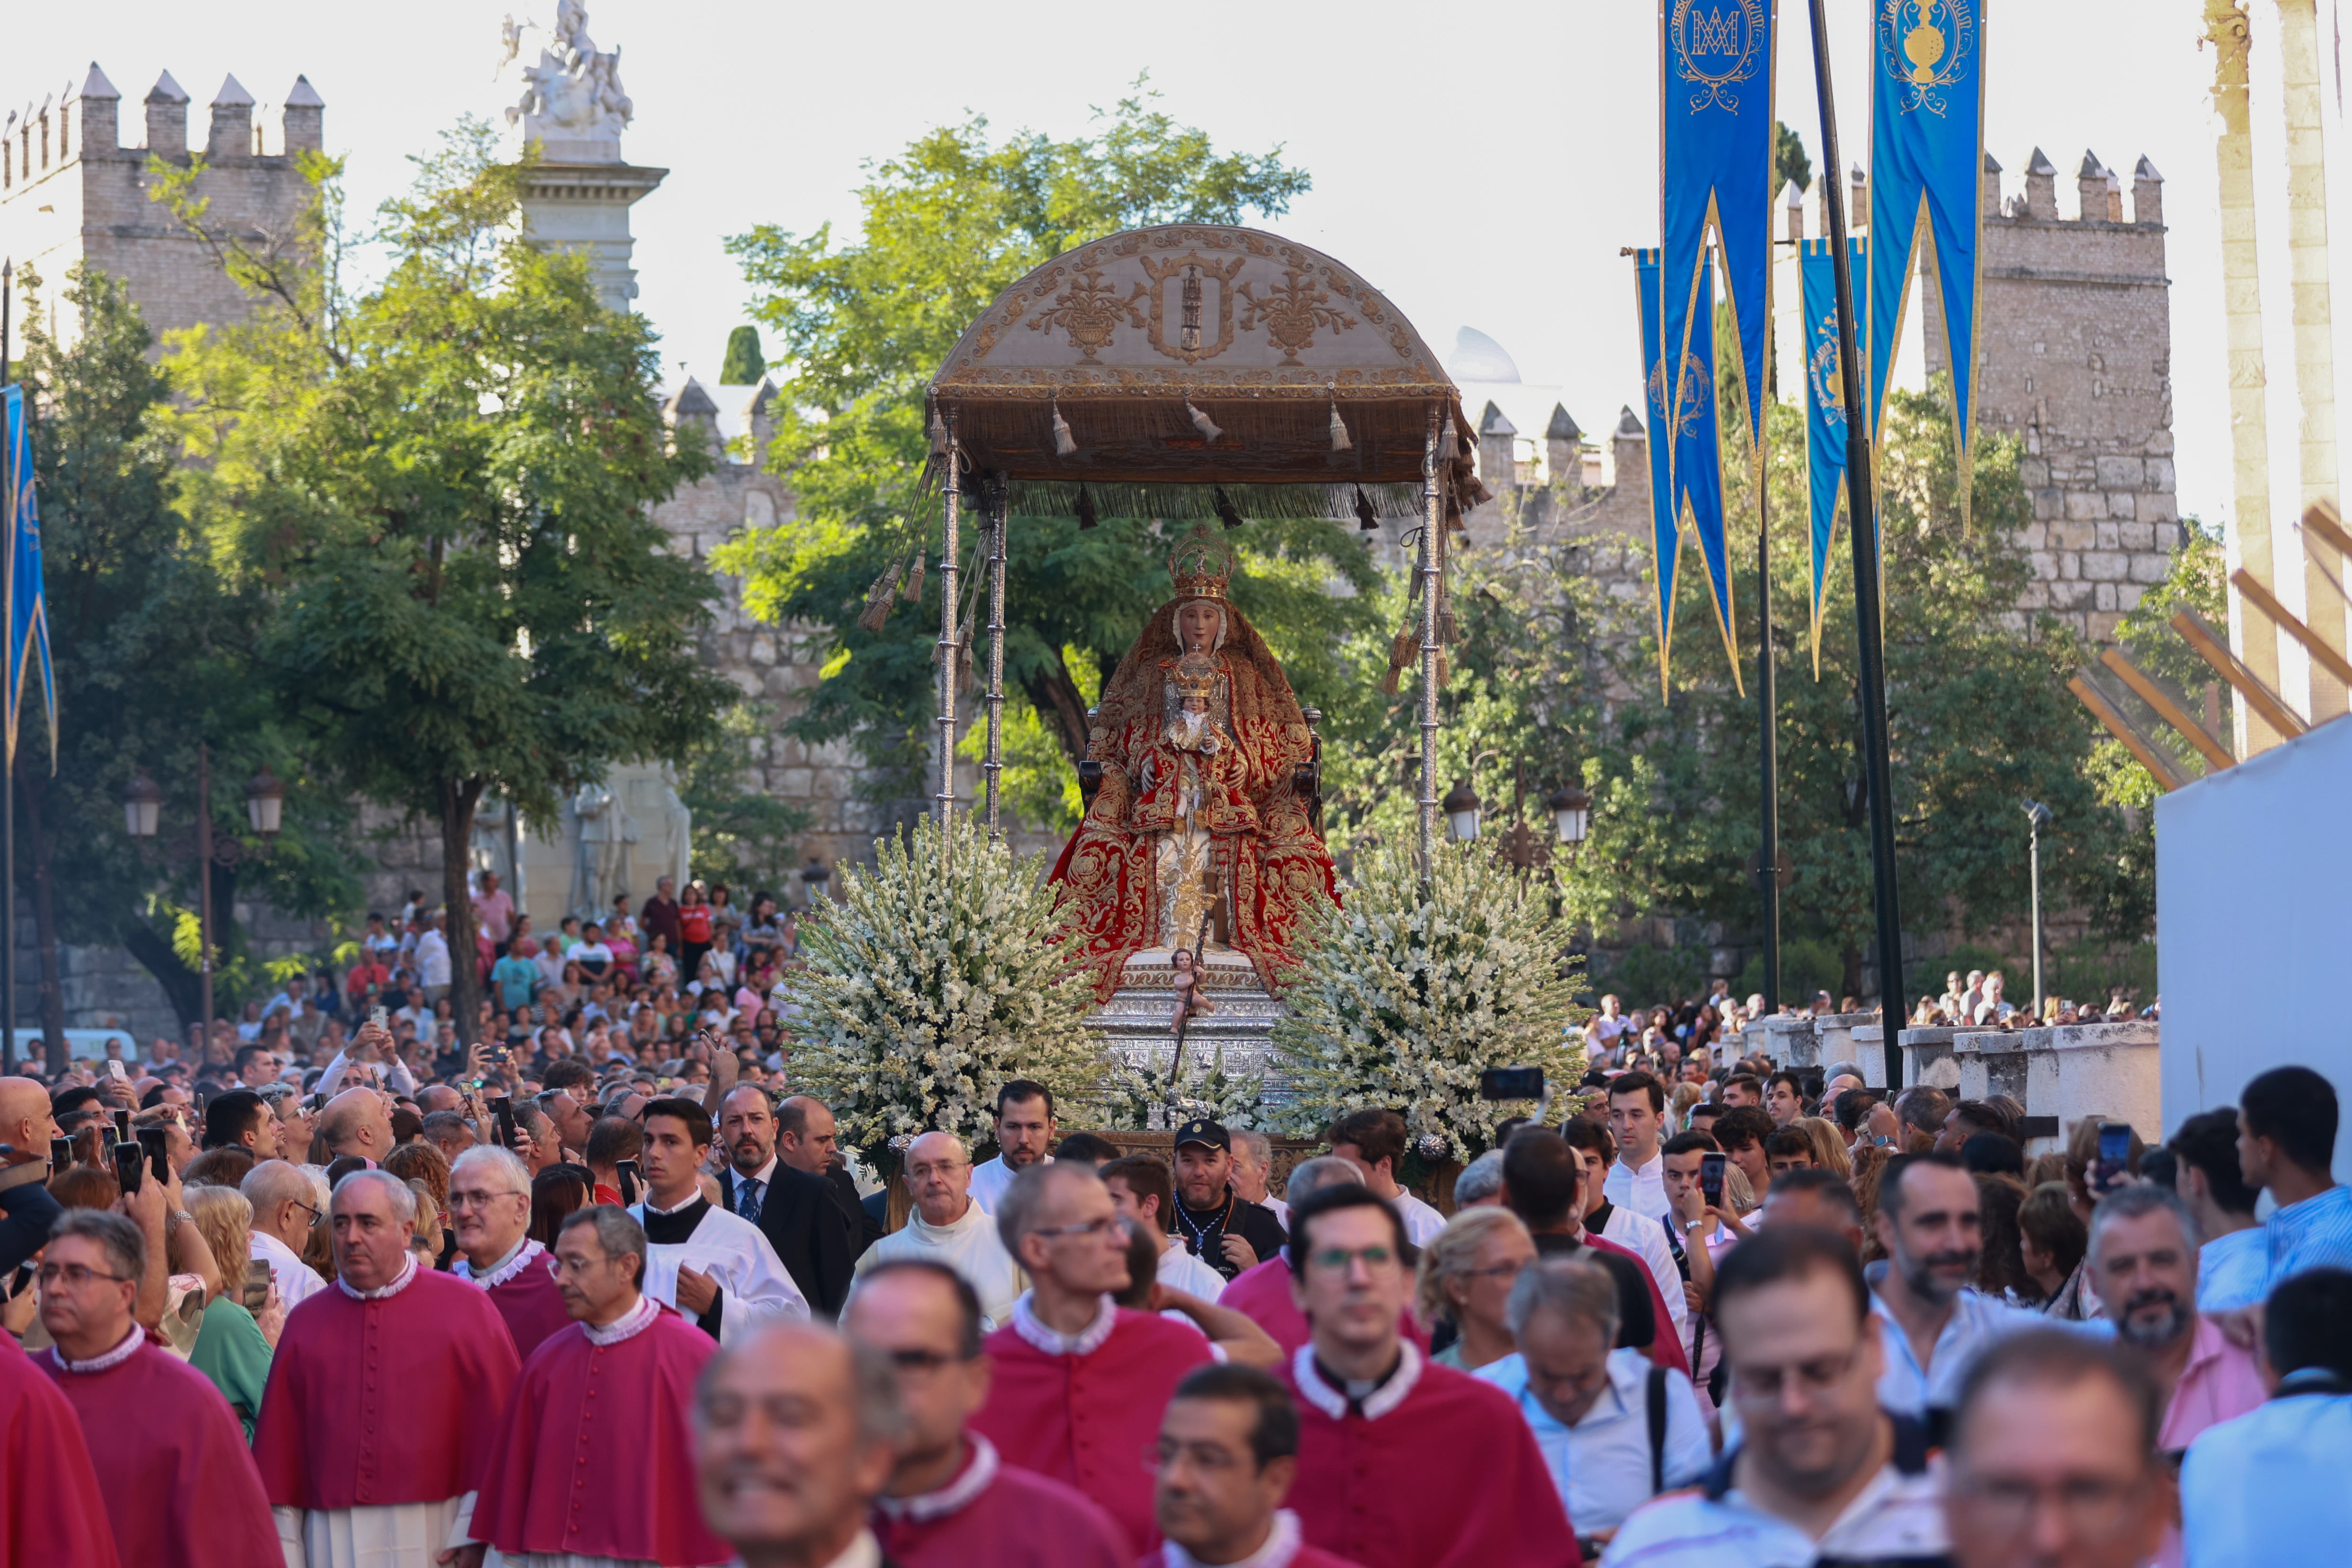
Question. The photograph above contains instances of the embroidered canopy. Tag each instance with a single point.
(1196, 354)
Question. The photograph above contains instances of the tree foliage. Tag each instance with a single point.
(446, 480)
(948, 224)
(744, 363)
(152, 650)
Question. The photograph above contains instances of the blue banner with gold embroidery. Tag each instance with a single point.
(1927, 149)
(1658, 404)
(1698, 465)
(28, 627)
(1715, 175)
(1825, 427)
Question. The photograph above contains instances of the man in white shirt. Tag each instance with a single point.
(432, 961)
(1827, 1477)
(1143, 1188)
(714, 1267)
(1607, 1024)
(1637, 1109)
(1642, 1237)
(1025, 1130)
(1375, 1140)
(1615, 1430)
(1935, 1325)
(949, 1227)
(284, 1205)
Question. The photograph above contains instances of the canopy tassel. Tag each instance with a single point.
(1227, 513)
(1367, 520)
(1340, 442)
(1210, 429)
(1085, 508)
(938, 435)
(1064, 444)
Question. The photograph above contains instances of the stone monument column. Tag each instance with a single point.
(570, 106)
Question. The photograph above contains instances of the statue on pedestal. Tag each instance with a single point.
(571, 101)
(1199, 823)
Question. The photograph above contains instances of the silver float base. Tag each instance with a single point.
(1136, 1022)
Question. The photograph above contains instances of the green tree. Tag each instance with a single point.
(949, 224)
(447, 480)
(153, 654)
(744, 365)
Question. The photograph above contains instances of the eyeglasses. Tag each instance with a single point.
(1499, 1271)
(1337, 1258)
(1206, 1457)
(559, 1265)
(2091, 1505)
(1093, 1228)
(924, 1361)
(73, 1275)
(1816, 1376)
(314, 1213)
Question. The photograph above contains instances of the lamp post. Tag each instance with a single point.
(815, 880)
(2037, 816)
(1461, 807)
(265, 808)
(1571, 816)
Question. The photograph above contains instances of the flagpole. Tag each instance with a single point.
(1767, 858)
(8, 786)
(1862, 525)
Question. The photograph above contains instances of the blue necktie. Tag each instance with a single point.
(747, 1200)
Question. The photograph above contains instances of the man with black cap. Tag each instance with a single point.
(1210, 1218)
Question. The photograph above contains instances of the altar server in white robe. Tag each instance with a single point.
(717, 1269)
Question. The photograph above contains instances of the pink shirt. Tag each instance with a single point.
(2220, 1384)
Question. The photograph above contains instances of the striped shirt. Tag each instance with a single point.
(2313, 1234)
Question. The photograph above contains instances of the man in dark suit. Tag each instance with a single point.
(808, 1140)
(795, 1210)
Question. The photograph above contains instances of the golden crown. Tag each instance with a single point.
(1201, 564)
(1195, 675)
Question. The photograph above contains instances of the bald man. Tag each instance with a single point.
(949, 1227)
(357, 1122)
(26, 1210)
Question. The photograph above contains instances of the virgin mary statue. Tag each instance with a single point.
(1197, 835)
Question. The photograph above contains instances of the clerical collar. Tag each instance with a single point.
(671, 1228)
(979, 1471)
(399, 1283)
(1052, 1341)
(1282, 1543)
(864, 1552)
(973, 1215)
(505, 1269)
(111, 1359)
(1340, 1397)
(652, 1207)
(627, 1326)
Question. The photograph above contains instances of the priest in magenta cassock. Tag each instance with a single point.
(51, 1508)
(717, 1269)
(385, 1398)
(1262, 1292)
(952, 1501)
(1402, 1463)
(594, 1464)
(490, 1207)
(179, 1486)
(1077, 1381)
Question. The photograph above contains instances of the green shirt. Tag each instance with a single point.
(231, 1351)
(516, 978)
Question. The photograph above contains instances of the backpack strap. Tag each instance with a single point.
(1657, 1413)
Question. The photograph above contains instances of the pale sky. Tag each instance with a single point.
(1482, 165)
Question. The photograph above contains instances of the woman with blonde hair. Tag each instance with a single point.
(234, 1342)
(1465, 1278)
(1829, 1148)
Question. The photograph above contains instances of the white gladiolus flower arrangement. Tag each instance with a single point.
(925, 990)
(1410, 988)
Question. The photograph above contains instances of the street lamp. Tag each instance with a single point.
(1461, 808)
(815, 880)
(2038, 816)
(1571, 817)
(265, 809)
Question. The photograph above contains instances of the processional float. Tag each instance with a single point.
(1195, 376)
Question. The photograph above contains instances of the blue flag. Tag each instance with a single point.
(1927, 149)
(1658, 402)
(1825, 428)
(1699, 466)
(1717, 173)
(28, 625)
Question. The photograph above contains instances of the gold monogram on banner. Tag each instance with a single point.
(1193, 275)
(1718, 45)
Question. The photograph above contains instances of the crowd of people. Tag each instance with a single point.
(559, 1309)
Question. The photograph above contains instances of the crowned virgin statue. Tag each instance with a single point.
(1197, 835)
